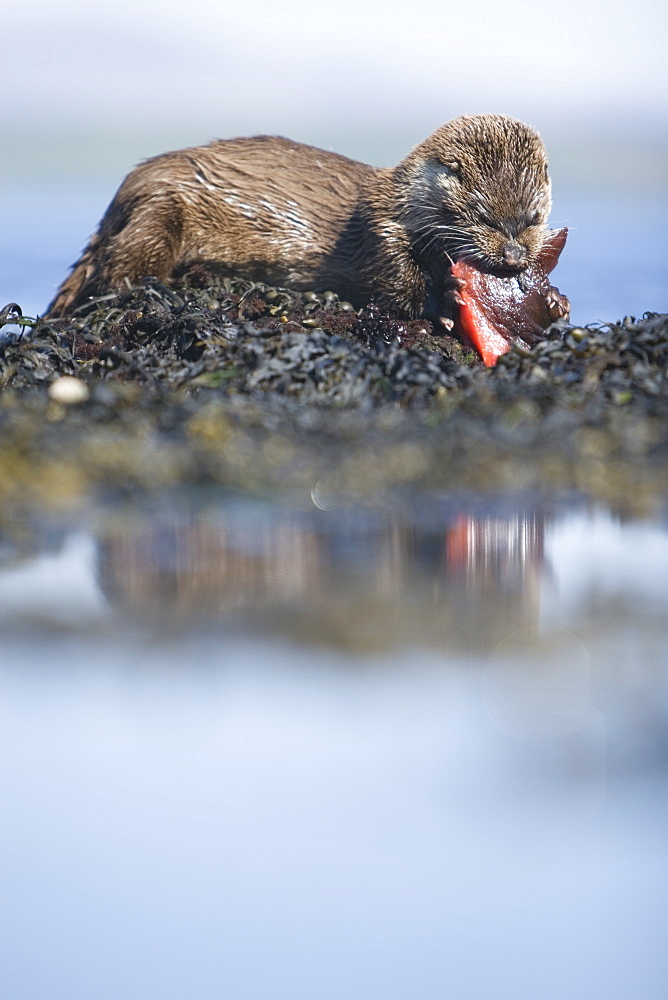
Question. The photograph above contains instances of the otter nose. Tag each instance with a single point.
(514, 254)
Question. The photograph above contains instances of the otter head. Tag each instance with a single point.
(478, 190)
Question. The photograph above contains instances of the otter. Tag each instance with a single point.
(273, 210)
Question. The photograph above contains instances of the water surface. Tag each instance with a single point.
(275, 750)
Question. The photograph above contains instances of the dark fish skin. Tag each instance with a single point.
(495, 309)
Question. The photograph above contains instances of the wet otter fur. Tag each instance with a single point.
(278, 211)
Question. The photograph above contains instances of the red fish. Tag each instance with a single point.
(495, 311)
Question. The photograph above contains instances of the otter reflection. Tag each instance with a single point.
(364, 579)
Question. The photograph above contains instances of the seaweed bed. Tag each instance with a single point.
(216, 381)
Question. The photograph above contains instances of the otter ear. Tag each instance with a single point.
(554, 243)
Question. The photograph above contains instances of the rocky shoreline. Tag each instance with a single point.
(221, 382)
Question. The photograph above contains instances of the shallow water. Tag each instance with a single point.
(319, 750)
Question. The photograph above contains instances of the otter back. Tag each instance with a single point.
(265, 208)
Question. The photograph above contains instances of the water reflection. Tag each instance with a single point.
(443, 575)
(370, 578)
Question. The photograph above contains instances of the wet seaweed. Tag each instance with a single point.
(228, 382)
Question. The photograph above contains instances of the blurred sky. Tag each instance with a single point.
(373, 78)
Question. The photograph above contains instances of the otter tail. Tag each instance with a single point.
(141, 234)
(82, 283)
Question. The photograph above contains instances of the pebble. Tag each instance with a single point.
(69, 390)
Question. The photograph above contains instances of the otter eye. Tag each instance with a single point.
(451, 168)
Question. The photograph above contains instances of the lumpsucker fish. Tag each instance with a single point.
(496, 310)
